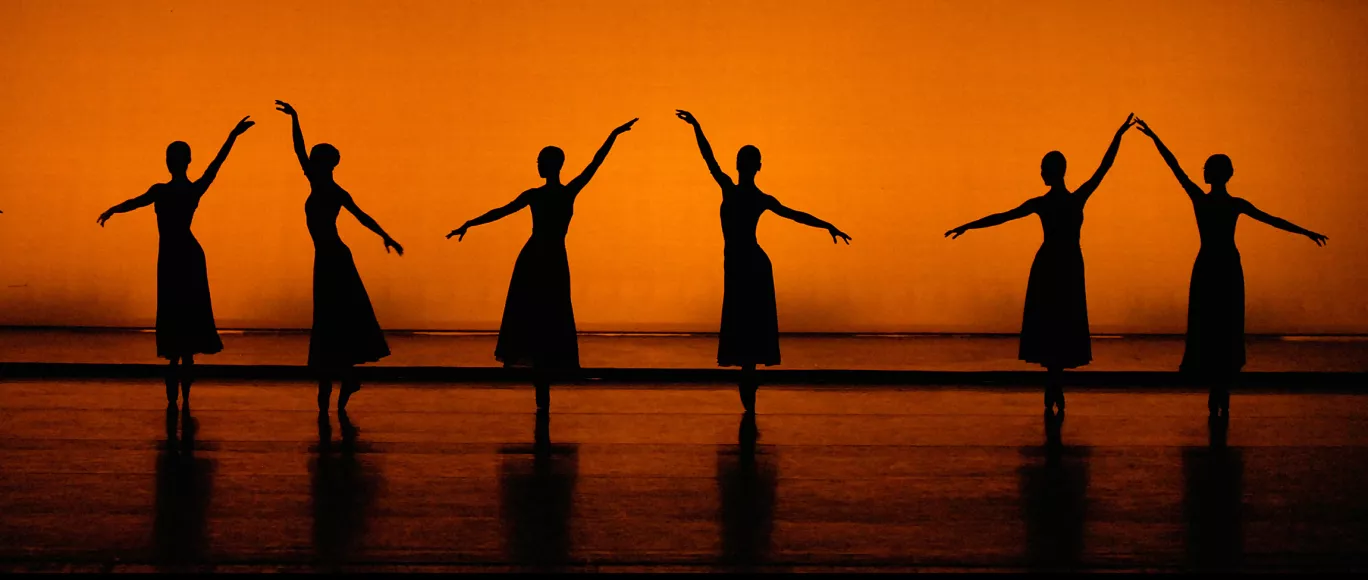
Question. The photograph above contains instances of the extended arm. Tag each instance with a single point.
(1188, 186)
(583, 178)
(143, 200)
(1021, 211)
(718, 175)
(492, 215)
(212, 171)
(301, 152)
(806, 219)
(370, 223)
(1277, 222)
(1086, 190)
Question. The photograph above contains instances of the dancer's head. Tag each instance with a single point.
(1218, 169)
(748, 161)
(324, 157)
(178, 157)
(549, 161)
(1052, 168)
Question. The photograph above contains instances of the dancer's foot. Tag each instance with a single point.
(185, 393)
(324, 393)
(748, 397)
(171, 392)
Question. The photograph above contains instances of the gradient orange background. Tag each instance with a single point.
(894, 120)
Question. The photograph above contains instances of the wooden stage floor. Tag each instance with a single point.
(97, 476)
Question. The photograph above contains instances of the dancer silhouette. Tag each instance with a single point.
(1054, 323)
(185, 313)
(1215, 351)
(749, 335)
(345, 331)
(538, 328)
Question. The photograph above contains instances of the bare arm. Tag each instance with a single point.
(806, 219)
(369, 222)
(718, 175)
(1021, 211)
(143, 200)
(493, 215)
(212, 171)
(301, 152)
(1086, 190)
(1188, 186)
(583, 178)
(1277, 222)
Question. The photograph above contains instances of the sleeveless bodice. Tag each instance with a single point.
(552, 209)
(320, 214)
(175, 206)
(1061, 216)
(1216, 217)
(740, 214)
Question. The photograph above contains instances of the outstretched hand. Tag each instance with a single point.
(104, 217)
(1130, 120)
(1319, 239)
(285, 107)
(686, 116)
(836, 233)
(625, 127)
(459, 233)
(955, 233)
(390, 243)
(1143, 127)
(243, 126)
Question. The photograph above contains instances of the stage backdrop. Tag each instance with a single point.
(894, 120)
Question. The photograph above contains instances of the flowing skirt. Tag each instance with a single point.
(750, 314)
(1215, 333)
(1054, 325)
(185, 314)
(345, 330)
(538, 328)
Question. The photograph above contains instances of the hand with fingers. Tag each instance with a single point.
(955, 233)
(1318, 238)
(243, 126)
(459, 233)
(836, 233)
(390, 243)
(1143, 127)
(686, 116)
(285, 107)
(625, 127)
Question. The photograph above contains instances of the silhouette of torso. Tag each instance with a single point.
(552, 208)
(175, 205)
(320, 213)
(1216, 217)
(741, 209)
(1061, 216)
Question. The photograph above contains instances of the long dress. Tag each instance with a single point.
(1054, 324)
(538, 328)
(1215, 333)
(750, 314)
(345, 331)
(185, 313)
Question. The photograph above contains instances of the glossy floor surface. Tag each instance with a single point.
(99, 476)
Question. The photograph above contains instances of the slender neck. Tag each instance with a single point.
(179, 176)
(747, 180)
(1219, 189)
(553, 180)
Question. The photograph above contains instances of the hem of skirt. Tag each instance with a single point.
(169, 356)
(734, 363)
(523, 363)
(1048, 364)
(336, 364)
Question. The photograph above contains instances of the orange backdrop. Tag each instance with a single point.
(895, 120)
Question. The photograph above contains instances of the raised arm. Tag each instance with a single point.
(718, 175)
(583, 178)
(1277, 222)
(300, 150)
(806, 219)
(370, 223)
(212, 171)
(1086, 190)
(493, 215)
(143, 200)
(1021, 211)
(1192, 189)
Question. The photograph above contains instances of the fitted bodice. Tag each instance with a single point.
(320, 213)
(552, 208)
(1216, 217)
(740, 212)
(175, 205)
(1061, 217)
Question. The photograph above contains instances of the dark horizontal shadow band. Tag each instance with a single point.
(1336, 381)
